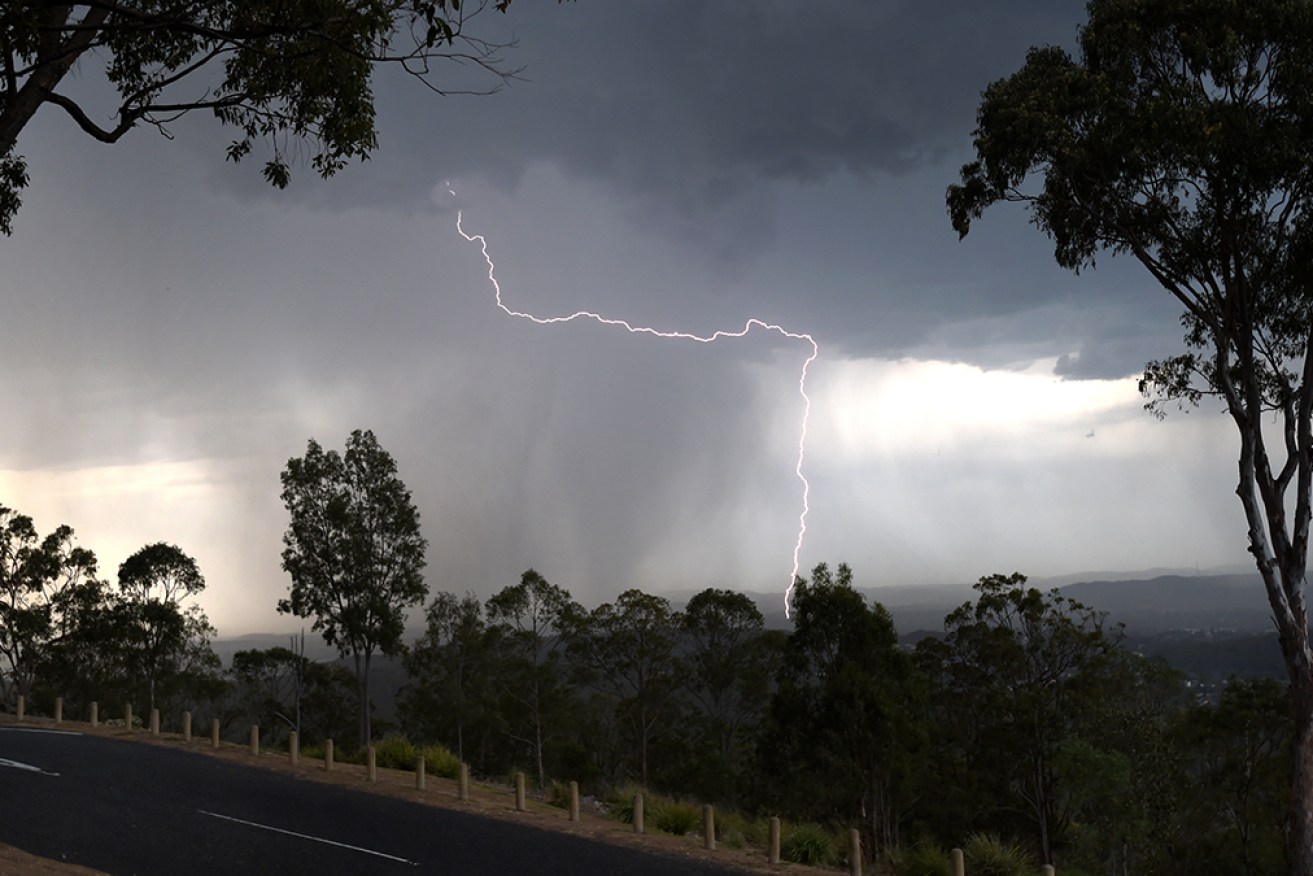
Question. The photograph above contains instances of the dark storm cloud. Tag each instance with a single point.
(706, 123)
(693, 104)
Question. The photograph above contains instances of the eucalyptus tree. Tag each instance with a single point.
(449, 671)
(529, 620)
(354, 552)
(157, 633)
(1014, 667)
(296, 75)
(1179, 137)
(42, 582)
(1241, 748)
(628, 648)
(281, 687)
(729, 663)
(847, 717)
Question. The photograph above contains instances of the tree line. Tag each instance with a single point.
(1025, 719)
(64, 628)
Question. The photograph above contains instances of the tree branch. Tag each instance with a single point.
(112, 135)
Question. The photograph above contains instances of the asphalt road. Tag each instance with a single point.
(126, 809)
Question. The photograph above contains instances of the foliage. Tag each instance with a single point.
(845, 725)
(1016, 666)
(1239, 776)
(282, 690)
(295, 74)
(676, 817)
(396, 753)
(160, 567)
(1179, 137)
(735, 830)
(1124, 771)
(354, 552)
(558, 795)
(924, 859)
(628, 648)
(155, 632)
(527, 622)
(448, 669)
(440, 761)
(620, 802)
(45, 585)
(729, 664)
(808, 843)
(988, 855)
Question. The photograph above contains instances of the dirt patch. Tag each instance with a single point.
(15, 862)
(487, 800)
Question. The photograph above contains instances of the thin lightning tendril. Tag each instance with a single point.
(707, 339)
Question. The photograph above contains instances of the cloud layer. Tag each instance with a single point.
(174, 332)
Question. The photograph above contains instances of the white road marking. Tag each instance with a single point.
(39, 730)
(317, 839)
(6, 762)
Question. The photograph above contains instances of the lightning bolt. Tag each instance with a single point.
(685, 336)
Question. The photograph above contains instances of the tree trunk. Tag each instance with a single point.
(538, 749)
(362, 693)
(1281, 562)
(871, 823)
(366, 717)
(642, 744)
(538, 726)
(1041, 811)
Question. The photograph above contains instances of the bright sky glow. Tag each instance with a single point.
(871, 407)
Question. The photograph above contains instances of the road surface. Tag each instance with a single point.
(127, 808)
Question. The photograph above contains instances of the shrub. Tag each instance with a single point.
(440, 761)
(924, 859)
(988, 855)
(736, 831)
(620, 802)
(808, 844)
(343, 754)
(312, 752)
(558, 795)
(395, 752)
(670, 816)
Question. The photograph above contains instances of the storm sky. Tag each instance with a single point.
(174, 331)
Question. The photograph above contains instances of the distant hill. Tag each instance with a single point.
(1176, 602)
(1145, 602)
(227, 646)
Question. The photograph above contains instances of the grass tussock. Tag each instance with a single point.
(620, 803)
(923, 859)
(989, 855)
(675, 817)
(808, 843)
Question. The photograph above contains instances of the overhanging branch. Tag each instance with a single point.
(104, 135)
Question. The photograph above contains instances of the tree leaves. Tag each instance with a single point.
(294, 74)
